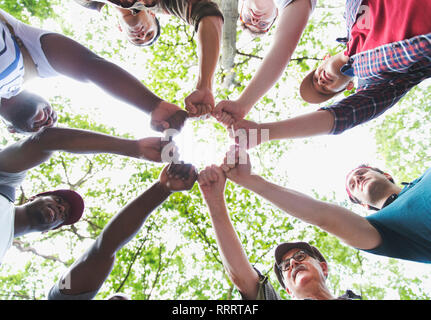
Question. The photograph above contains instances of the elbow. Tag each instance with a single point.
(236, 279)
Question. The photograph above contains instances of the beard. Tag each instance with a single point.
(41, 217)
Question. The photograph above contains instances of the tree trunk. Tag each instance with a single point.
(230, 13)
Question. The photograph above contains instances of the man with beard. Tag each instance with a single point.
(87, 274)
(51, 210)
(400, 228)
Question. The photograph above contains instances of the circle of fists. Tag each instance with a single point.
(236, 167)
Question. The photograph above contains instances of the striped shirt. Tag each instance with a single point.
(11, 64)
(385, 75)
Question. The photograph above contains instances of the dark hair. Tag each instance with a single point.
(20, 108)
(356, 200)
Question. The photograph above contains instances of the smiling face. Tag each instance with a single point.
(303, 275)
(47, 212)
(328, 79)
(258, 15)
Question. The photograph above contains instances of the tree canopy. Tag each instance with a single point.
(175, 256)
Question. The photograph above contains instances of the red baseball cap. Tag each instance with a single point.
(75, 202)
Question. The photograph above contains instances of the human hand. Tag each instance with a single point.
(229, 111)
(156, 149)
(236, 165)
(212, 181)
(168, 116)
(178, 177)
(200, 102)
(248, 134)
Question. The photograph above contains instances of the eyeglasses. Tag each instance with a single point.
(298, 256)
(262, 26)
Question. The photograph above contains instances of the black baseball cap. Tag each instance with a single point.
(284, 247)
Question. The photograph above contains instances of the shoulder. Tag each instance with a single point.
(281, 4)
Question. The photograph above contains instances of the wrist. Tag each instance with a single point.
(204, 84)
(244, 102)
(162, 188)
(157, 103)
(245, 181)
(215, 199)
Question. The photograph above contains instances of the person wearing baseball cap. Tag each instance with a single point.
(54, 209)
(87, 274)
(400, 228)
(300, 268)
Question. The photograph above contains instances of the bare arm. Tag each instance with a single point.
(293, 20)
(209, 39)
(307, 125)
(71, 59)
(351, 228)
(201, 101)
(235, 261)
(36, 149)
(89, 272)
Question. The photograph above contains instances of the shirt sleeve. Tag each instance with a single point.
(89, 4)
(265, 289)
(55, 294)
(367, 104)
(202, 9)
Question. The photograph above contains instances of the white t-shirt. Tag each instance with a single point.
(11, 64)
(7, 219)
(7, 211)
(11, 60)
(284, 3)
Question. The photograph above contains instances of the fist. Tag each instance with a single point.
(178, 177)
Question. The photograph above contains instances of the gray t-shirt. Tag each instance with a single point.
(55, 294)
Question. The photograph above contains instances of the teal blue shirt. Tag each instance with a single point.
(405, 224)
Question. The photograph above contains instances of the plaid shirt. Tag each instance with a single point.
(385, 75)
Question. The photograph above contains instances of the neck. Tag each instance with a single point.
(21, 225)
(318, 292)
(390, 190)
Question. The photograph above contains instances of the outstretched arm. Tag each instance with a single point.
(293, 20)
(351, 228)
(201, 101)
(212, 182)
(71, 59)
(307, 125)
(89, 272)
(37, 148)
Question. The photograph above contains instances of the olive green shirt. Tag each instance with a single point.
(267, 292)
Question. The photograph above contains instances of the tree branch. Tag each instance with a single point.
(23, 247)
